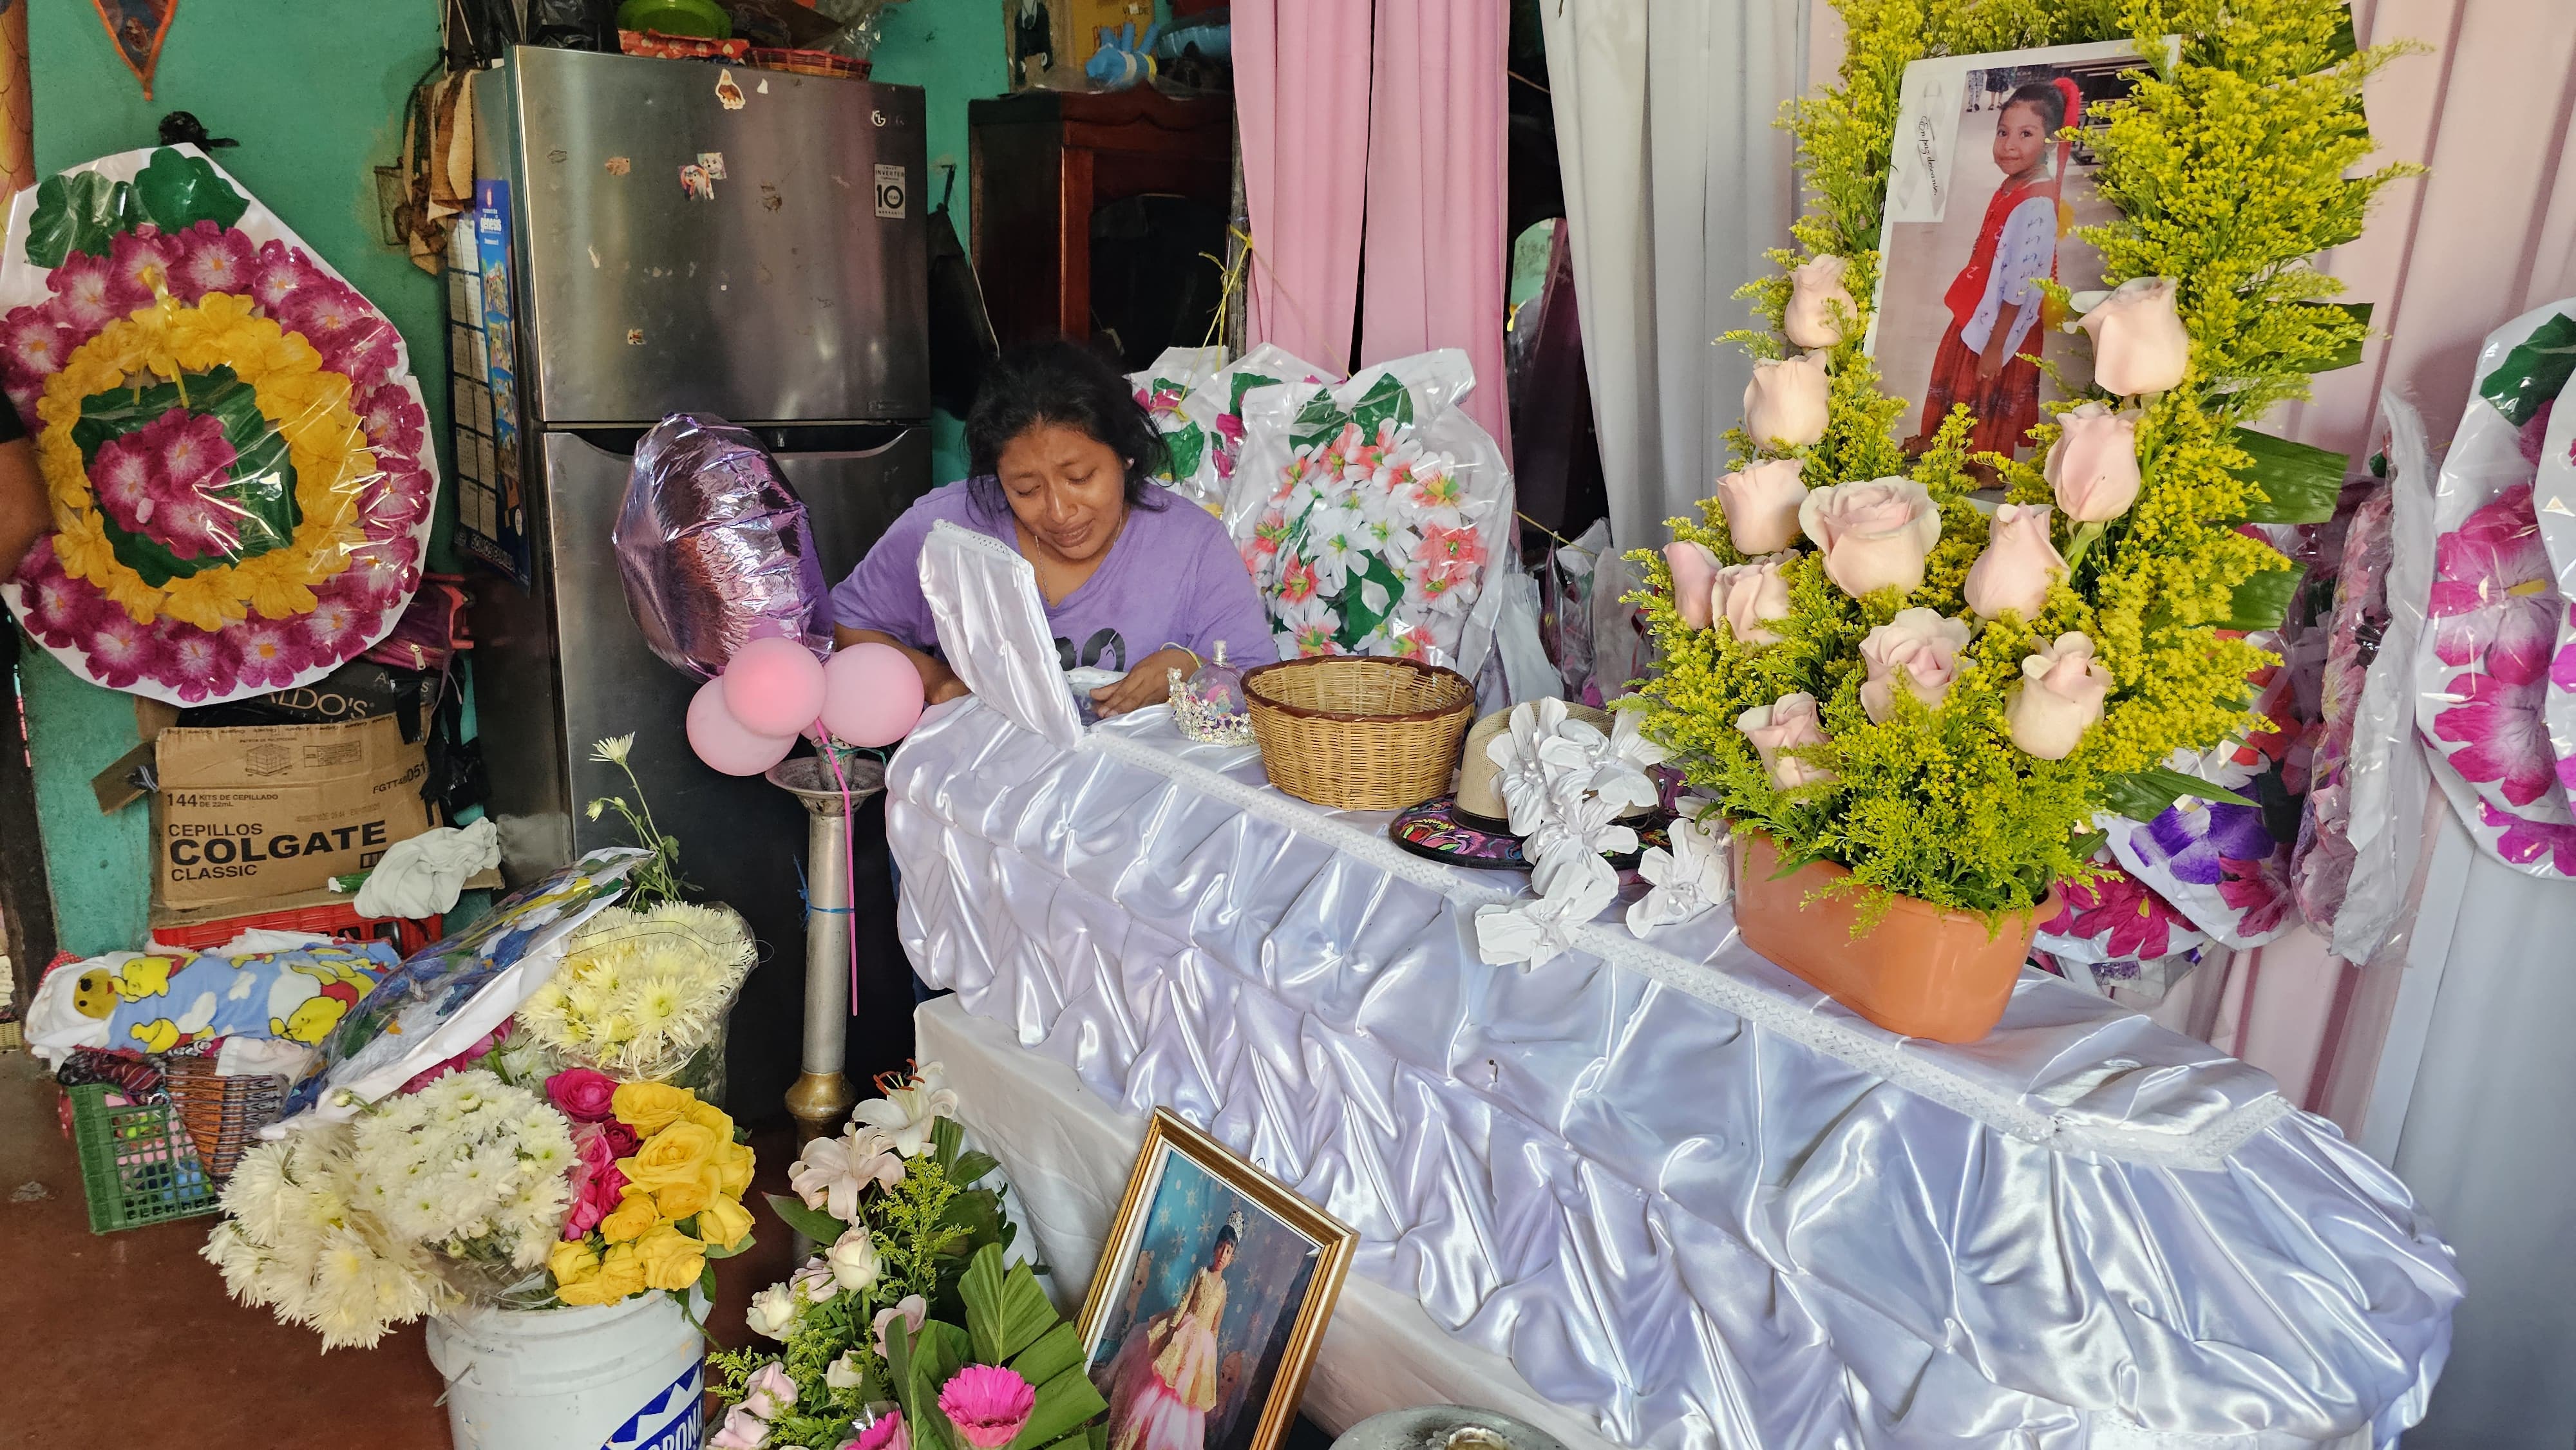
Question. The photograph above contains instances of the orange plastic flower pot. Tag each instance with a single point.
(1921, 970)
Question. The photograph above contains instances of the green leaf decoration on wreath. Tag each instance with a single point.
(1318, 422)
(2534, 371)
(1386, 401)
(1187, 446)
(80, 212)
(176, 191)
(261, 487)
(1244, 383)
(2239, 154)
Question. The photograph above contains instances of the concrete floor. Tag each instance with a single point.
(128, 1339)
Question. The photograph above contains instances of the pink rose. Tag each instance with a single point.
(769, 1390)
(597, 1182)
(1917, 649)
(911, 1309)
(1786, 724)
(1761, 503)
(742, 1430)
(581, 1094)
(1749, 596)
(1694, 570)
(2093, 466)
(2059, 698)
(1784, 405)
(1873, 535)
(2018, 565)
(2139, 344)
(1815, 291)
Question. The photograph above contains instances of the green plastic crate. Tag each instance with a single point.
(137, 1165)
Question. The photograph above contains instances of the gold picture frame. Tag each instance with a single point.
(1157, 1243)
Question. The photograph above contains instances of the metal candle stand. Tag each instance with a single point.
(821, 1097)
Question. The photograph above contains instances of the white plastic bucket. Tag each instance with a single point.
(623, 1376)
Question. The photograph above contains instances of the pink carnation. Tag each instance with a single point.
(33, 344)
(273, 653)
(212, 259)
(89, 293)
(140, 262)
(59, 609)
(336, 630)
(988, 1404)
(353, 340)
(279, 273)
(120, 651)
(121, 476)
(201, 664)
(394, 422)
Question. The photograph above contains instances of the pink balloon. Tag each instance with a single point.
(871, 694)
(773, 686)
(724, 742)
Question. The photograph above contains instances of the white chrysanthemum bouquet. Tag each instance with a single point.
(643, 994)
(351, 1230)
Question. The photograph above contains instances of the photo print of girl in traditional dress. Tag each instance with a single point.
(1199, 1329)
(1991, 180)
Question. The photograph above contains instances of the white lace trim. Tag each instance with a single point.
(1868, 1048)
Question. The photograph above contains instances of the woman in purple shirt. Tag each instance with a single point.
(1136, 579)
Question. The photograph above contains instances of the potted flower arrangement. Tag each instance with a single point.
(907, 1329)
(1914, 710)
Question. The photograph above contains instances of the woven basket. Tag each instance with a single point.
(1358, 733)
(223, 1114)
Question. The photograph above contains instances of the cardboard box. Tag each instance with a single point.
(253, 813)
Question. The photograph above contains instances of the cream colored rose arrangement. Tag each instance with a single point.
(1947, 694)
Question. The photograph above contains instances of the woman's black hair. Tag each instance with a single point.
(2044, 97)
(1070, 386)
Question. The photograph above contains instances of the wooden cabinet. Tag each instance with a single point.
(1043, 160)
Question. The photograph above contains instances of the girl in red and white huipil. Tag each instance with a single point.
(1989, 356)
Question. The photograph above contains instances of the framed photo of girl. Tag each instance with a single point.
(1210, 1300)
(1984, 196)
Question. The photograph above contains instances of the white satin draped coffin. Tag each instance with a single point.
(1698, 1224)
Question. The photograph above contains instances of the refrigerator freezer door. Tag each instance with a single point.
(733, 241)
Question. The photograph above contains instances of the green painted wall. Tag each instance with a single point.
(314, 90)
(956, 51)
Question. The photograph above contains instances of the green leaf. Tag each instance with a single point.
(1187, 446)
(707, 1280)
(1064, 1403)
(1317, 422)
(2533, 371)
(1358, 617)
(971, 1167)
(75, 212)
(813, 1223)
(946, 1137)
(2143, 795)
(1386, 401)
(2348, 355)
(1244, 383)
(2263, 601)
(180, 191)
(1005, 1312)
(2345, 44)
(1057, 1350)
(977, 1215)
(2300, 484)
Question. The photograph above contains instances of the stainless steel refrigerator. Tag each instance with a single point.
(656, 236)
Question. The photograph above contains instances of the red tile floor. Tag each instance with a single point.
(128, 1339)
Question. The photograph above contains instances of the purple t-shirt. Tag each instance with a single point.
(1172, 577)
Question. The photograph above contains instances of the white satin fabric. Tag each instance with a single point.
(993, 630)
(1678, 1189)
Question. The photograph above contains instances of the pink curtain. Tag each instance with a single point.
(1435, 247)
(1301, 102)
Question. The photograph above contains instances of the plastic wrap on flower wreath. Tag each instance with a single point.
(1367, 511)
(714, 548)
(2494, 610)
(642, 996)
(447, 997)
(2114, 924)
(2226, 867)
(1196, 399)
(230, 437)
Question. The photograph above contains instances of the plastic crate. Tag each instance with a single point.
(137, 1165)
(335, 919)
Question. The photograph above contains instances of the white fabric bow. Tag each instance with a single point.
(1688, 879)
(1539, 929)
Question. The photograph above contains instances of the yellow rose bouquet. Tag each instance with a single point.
(655, 1189)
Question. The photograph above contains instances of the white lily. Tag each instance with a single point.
(907, 1114)
(831, 1172)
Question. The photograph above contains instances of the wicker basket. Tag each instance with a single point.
(223, 1114)
(1358, 733)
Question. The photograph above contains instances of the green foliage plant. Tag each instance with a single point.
(2233, 162)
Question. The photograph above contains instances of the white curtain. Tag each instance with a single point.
(1676, 183)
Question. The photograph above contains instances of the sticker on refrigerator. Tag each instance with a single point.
(891, 191)
(491, 511)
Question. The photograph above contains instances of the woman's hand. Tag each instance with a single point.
(1144, 685)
